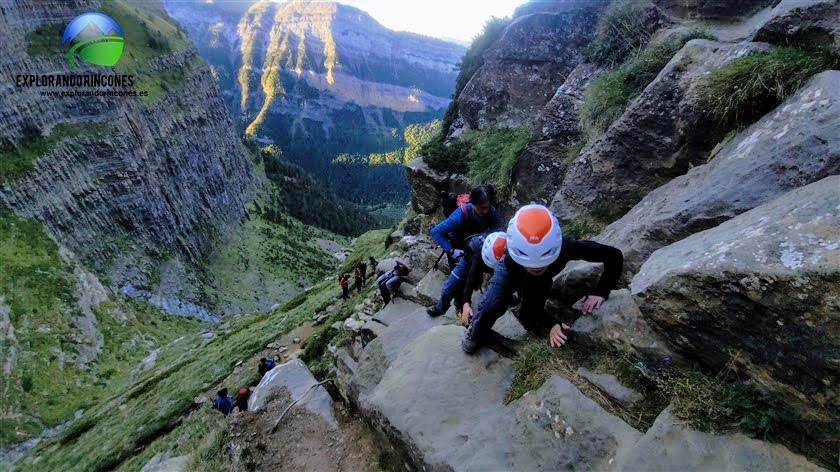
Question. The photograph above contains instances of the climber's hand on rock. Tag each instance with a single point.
(466, 314)
(590, 303)
(556, 338)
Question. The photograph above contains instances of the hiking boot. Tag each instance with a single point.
(470, 342)
(435, 310)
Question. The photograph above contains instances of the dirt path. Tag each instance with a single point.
(303, 441)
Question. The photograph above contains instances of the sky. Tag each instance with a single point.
(448, 19)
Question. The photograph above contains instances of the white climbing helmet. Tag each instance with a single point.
(534, 237)
(493, 248)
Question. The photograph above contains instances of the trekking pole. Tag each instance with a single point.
(435, 267)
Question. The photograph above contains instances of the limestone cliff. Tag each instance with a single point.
(120, 181)
(321, 79)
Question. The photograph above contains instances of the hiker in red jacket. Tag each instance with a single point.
(241, 399)
(344, 281)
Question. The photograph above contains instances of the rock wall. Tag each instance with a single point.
(143, 178)
(526, 65)
(759, 292)
(662, 133)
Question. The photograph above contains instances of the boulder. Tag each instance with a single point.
(803, 23)
(164, 462)
(294, 377)
(794, 145)
(429, 288)
(524, 67)
(669, 445)
(723, 10)
(759, 293)
(353, 325)
(610, 386)
(427, 183)
(510, 327)
(663, 132)
(444, 410)
(619, 324)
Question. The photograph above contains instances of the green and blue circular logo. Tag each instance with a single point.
(94, 38)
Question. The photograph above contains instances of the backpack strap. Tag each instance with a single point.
(463, 207)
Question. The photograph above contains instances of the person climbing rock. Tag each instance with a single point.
(477, 217)
(468, 273)
(358, 279)
(344, 281)
(222, 402)
(389, 282)
(536, 252)
(266, 364)
(492, 251)
(241, 398)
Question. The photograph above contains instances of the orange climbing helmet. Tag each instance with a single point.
(493, 248)
(534, 237)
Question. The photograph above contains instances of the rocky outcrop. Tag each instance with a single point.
(610, 386)
(427, 183)
(722, 10)
(619, 324)
(526, 65)
(669, 445)
(140, 177)
(663, 132)
(445, 411)
(794, 145)
(760, 293)
(808, 23)
(540, 167)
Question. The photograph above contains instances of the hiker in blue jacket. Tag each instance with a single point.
(477, 217)
(223, 402)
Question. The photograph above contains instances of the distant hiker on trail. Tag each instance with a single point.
(389, 282)
(241, 399)
(344, 282)
(359, 279)
(536, 252)
(373, 265)
(266, 364)
(466, 222)
(478, 216)
(222, 402)
(479, 258)
(363, 269)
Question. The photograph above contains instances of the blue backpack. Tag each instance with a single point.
(223, 404)
(269, 362)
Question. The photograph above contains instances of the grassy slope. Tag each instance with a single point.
(156, 412)
(45, 386)
(268, 261)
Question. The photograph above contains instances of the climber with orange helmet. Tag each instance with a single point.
(492, 251)
(536, 252)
